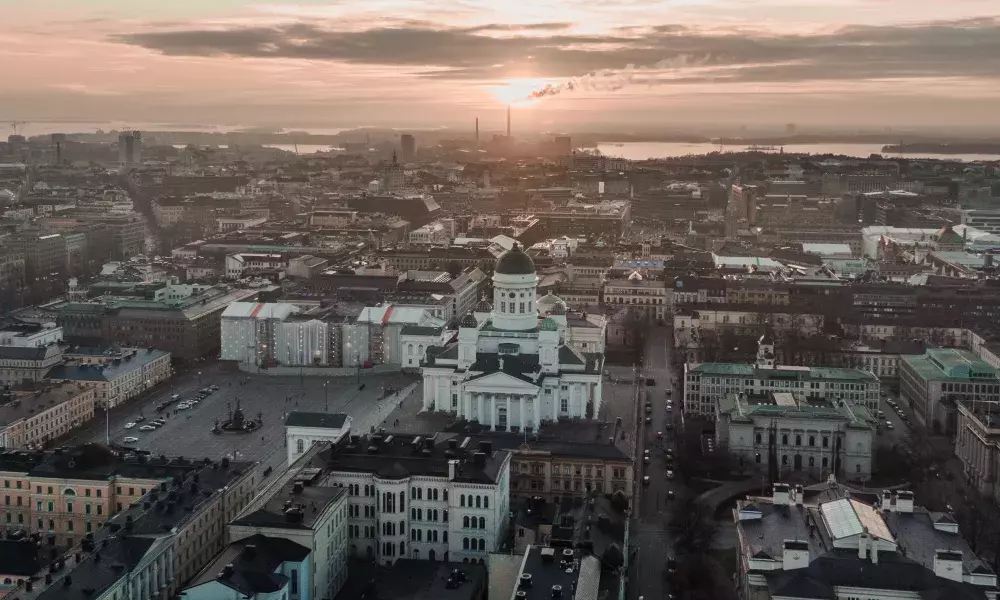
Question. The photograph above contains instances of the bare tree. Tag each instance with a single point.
(693, 527)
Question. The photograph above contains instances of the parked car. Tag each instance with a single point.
(670, 474)
(140, 419)
(175, 397)
(649, 421)
(645, 480)
(182, 406)
(649, 407)
(645, 459)
(147, 428)
(659, 435)
(131, 440)
(155, 424)
(670, 494)
(889, 425)
(129, 425)
(214, 387)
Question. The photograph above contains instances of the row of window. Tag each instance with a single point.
(417, 535)
(432, 494)
(417, 514)
(473, 523)
(798, 440)
(480, 501)
(474, 544)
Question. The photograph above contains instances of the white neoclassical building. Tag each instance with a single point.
(512, 368)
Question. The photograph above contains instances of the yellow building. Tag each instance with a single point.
(557, 470)
(65, 495)
(30, 419)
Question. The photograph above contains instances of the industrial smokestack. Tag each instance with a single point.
(508, 121)
(477, 131)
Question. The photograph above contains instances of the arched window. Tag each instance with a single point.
(465, 543)
(402, 500)
(461, 500)
(402, 527)
(446, 495)
(69, 492)
(825, 461)
(482, 545)
(478, 502)
(409, 349)
(420, 514)
(812, 440)
(445, 515)
(413, 535)
(784, 439)
(798, 440)
(784, 459)
(465, 521)
(482, 522)
(420, 494)
(486, 501)
(812, 461)
(413, 493)
(444, 536)
(300, 445)
(413, 513)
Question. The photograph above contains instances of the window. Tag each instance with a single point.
(295, 581)
(465, 521)
(445, 514)
(784, 460)
(478, 502)
(465, 543)
(461, 500)
(486, 501)
(564, 404)
(812, 440)
(826, 442)
(482, 522)
(482, 545)
(826, 461)
(812, 461)
(798, 440)
(300, 445)
(756, 458)
(784, 439)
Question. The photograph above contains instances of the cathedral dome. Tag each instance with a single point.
(469, 321)
(484, 306)
(514, 262)
(549, 325)
(550, 304)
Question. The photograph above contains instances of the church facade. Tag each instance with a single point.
(513, 368)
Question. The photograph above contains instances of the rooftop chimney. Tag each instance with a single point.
(904, 501)
(948, 564)
(796, 555)
(452, 468)
(864, 542)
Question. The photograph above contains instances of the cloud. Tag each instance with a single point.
(965, 48)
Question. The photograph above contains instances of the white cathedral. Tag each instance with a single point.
(520, 361)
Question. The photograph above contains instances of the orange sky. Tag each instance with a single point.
(417, 63)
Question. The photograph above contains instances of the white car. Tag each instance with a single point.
(131, 440)
(182, 406)
(147, 428)
(670, 474)
(129, 425)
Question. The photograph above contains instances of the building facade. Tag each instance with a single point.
(30, 420)
(706, 384)
(933, 384)
(120, 378)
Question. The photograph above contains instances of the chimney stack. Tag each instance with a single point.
(452, 467)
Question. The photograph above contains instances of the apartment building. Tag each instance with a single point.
(557, 470)
(935, 382)
(20, 364)
(153, 546)
(303, 508)
(120, 378)
(977, 445)
(706, 384)
(647, 298)
(832, 541)
(29, 420)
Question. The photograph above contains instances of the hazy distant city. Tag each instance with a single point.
(480, 301)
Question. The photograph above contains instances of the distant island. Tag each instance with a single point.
(935, 148)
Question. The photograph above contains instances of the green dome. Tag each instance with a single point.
(549, 325)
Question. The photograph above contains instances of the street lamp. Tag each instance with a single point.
(326, 396)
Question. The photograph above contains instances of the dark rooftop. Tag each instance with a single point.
(296, 506)
(315, 419)
(414, 579)
(397, 456)
(248, 565)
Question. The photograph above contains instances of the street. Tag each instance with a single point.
(652, 508)
(188, 433)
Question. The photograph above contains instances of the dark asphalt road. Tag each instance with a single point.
(648, 536)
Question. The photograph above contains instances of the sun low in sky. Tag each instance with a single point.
(412, 63)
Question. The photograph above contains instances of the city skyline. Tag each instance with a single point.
(322, 63)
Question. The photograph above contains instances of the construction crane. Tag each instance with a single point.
(15, 125)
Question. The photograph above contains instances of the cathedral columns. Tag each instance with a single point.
(428, 392)
(597, 399)
(481, 398)
(509, 415)
(520, 413)
(537, 416)
(493, 412)
(467, 406)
